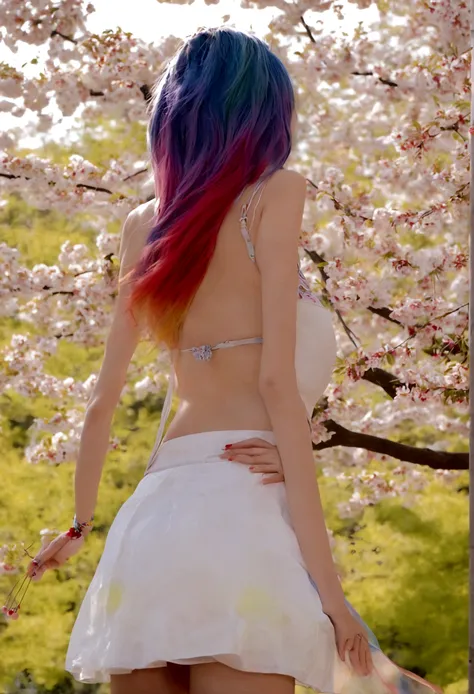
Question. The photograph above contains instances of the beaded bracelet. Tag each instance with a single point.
(76, 530)
(17, 594)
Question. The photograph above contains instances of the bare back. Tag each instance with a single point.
(222, 393)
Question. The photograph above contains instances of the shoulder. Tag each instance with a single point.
(280, 221)
(286, 182)
(283, 204)
(135, 231)
(137, 226)
(140, 219)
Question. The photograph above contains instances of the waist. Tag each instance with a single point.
(202, 447)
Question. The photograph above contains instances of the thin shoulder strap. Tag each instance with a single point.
(244, 225)
(259, 187)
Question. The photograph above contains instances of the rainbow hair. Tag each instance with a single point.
(220, 119)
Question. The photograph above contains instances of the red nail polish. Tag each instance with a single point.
(251, 467)
(230, 459)
(229, 445)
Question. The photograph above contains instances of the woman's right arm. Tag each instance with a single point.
(277, 259)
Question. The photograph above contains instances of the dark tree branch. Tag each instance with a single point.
(137, 173)
(98, 189)
(63, 36)
(436, 460)
(365, 73)
(308, 30)
(385, 380)
(319, 260)
(145, 90)
(384, 312)
(369, 73)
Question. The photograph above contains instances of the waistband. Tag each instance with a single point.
(202, 447)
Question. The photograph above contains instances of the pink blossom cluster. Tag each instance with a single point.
(382, 138)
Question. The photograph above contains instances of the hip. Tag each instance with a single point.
(201, 448)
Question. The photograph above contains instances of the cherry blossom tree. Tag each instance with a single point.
(383, 142)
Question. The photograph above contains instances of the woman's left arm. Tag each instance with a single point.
(120, 346)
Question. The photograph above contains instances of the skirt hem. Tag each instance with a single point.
(103, 676)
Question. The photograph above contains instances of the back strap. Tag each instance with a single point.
(204, 352)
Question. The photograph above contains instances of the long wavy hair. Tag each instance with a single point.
(220, 119)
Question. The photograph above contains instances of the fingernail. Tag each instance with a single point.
(252, 467)
(228, 445)
(229, 458)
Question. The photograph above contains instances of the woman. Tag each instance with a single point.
(207, 580)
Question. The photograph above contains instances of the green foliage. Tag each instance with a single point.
(405, 570)
(38, 234)
(39, 497)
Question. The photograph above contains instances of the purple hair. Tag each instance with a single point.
(221, 118)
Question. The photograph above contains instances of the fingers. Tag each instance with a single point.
(348, 646)
(52, 548)
(247, 455)
(271, 479)
(341, 649)
(352, 647)
(365, 656)
(358, 656)
(368, 659)
(260, 466)
(265, 468)
(255, 459)
(49, 550)
(50, 564)
(249, 443)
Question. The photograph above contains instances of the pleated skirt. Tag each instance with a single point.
(201, 564)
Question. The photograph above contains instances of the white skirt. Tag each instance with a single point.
(201, 564)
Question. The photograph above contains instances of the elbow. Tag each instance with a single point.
(100, 408)
(277, 387)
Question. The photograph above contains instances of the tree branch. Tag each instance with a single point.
(436, 460)
(319, 260)
(98, 189)
(55, 32)
(146, 91)
(307, 29)
(365, 73)
(384, 312)
(137, 173)
(369, 73)
(387, 381)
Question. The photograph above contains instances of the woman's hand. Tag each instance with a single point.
(260, 456)
(53, 554)
(352, 638)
